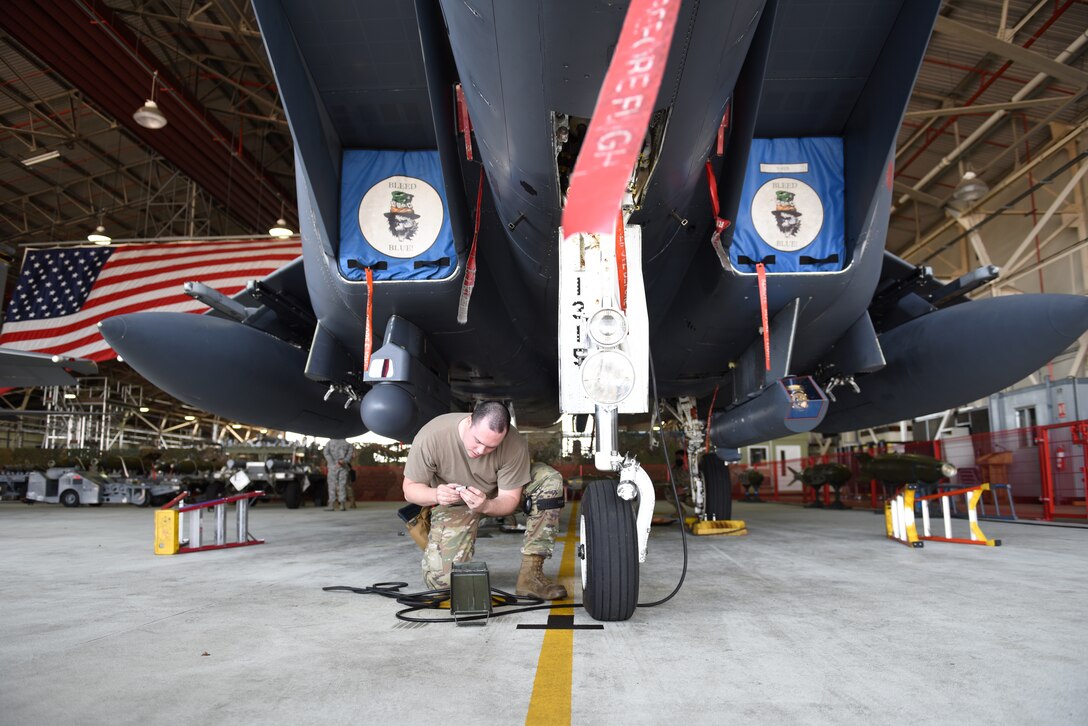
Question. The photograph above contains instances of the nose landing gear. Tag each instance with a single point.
(608, 553)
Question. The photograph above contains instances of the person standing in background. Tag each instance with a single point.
(338, 455)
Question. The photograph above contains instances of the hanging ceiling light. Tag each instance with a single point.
(970, 189)
(99, 236)
(149, 116)
(280, 230)
(40, 158)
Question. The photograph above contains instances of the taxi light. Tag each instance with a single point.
(607, 327)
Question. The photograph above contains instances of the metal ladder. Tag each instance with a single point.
(169, 523)
(900, 523)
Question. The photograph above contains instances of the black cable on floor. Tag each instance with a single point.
(676, 498)
(433, 599)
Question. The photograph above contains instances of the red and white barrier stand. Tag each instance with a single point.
(168, 525)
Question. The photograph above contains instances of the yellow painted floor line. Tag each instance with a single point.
(550, 702)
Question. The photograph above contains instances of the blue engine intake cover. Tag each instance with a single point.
(394, 217)
(791, 209)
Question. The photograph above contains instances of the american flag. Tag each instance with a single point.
(62, 294)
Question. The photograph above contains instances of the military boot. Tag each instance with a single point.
(533, 582)
(331, 507)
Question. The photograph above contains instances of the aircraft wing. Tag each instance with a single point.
(20, 368)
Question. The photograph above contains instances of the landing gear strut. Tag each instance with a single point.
(687, 412)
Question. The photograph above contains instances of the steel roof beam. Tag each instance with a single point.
(1011, 51)
(917, 195)
(987, 107)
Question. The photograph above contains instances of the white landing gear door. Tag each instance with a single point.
(604, 347)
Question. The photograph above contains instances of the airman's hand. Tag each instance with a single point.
(448, 494)
(473, 498)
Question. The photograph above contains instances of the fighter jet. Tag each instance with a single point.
(603, 209)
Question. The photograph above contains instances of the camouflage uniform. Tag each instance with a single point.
(338, 450)
(453, 529)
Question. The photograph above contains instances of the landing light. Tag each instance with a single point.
(608, 377)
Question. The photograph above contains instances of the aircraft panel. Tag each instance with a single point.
(367, 66)
(823, 53)
(831, 38)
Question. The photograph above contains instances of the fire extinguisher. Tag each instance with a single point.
(1059, 457)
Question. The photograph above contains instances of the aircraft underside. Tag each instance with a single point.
(441, 148)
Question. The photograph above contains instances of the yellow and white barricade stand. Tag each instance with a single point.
(900, 523)
(899, 517)
(972, 495)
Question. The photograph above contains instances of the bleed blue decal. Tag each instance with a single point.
(791, 208)
(394, 217)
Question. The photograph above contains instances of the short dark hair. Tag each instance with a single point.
(494, 414)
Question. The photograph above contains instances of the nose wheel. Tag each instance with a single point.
(607, 553)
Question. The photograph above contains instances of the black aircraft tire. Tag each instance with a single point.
(292, 494)
(140, 498)
(719, 489)
(69, 498)
(608, 553)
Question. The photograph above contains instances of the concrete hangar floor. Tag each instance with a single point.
(812, 618)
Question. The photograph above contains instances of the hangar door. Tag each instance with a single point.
(786, 456)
